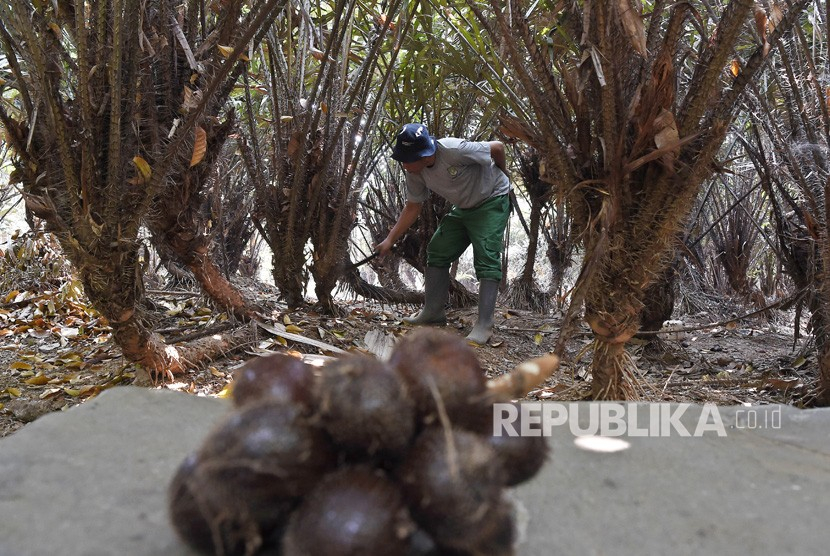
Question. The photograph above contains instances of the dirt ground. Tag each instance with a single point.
(56, 353)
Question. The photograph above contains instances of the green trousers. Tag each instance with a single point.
(483, 227)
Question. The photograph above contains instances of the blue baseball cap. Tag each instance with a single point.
(413, 143)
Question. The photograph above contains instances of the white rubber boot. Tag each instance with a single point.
(488, 291)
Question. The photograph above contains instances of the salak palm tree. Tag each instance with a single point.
(115, 121)
(327, 70)
(628, 111)
(789, 146)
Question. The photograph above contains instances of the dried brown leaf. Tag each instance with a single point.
(666, 130)
(632, 22)
(143, 168)
(782, 384)
(293, 146)
(191, 99)
(51, 392)
(226, 52)
(761, 22)
(775, 16)
(316, 53)
(199, 147)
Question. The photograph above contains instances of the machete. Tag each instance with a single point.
(362, 261)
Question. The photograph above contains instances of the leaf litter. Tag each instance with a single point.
(56, 351)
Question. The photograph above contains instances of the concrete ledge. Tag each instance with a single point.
(92, 482)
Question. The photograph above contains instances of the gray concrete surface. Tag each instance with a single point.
(92, 481)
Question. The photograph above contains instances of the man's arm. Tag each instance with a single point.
(498, 156)
(408, 216)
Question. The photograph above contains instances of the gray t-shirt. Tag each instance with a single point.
(463, 173)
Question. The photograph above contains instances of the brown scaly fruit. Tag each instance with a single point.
(250, 472)
(521, 457)
(453, 486)
(276, 377)
(202, 518)
(352, 512)
(438, 365)
(365, 407)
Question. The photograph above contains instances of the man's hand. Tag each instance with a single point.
(384, 247)
(408, 216)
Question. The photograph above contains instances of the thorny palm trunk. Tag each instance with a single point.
(526, 277)
(803, 259)
(610, 367)
(561, 244)
(179, 232)
(524, 291)
(112, 282)
(822, 309)
(175, 218)
(659, 299)
(229, 207)
(284, 207)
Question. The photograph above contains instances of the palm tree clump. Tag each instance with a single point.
(628, 113)
(116, 122)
